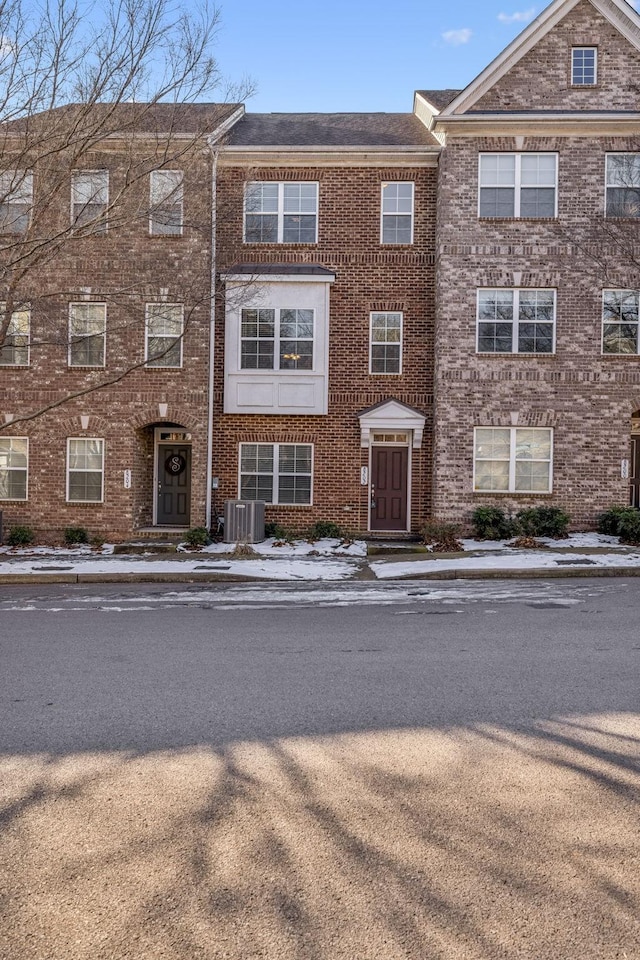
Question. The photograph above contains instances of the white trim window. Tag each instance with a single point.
(620, 316)
(385, 342)
(278, 473)
(281, 212)
(164, 332)
(14, 468)
(166, 195)
(396, 212)
(15, 349)
(85, 470)
(623, 185)
(518, 185)
(516, 321)
(276, 339)
(512, 460)
(16, 200)
(584, 66)
(87, 334)
(90, 199)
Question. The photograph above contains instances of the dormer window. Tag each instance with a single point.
(584, 66)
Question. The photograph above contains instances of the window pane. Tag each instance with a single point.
(623, 202)
(495, 338)
(166, 185)
(497, 202)
(13, 452)
(538, 170)
(261, 228)
(164, 320)
(396, 229)
(299, 229)
(535, 338)
(85, 486)
(295, 458)
(533, 445)
(294, 490)
(492, 443)
(492, 475)
(538, 202)
(532, 477)
(497, 170)
(623, 169)
(262, 198)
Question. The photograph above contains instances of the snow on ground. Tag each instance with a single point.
(264, 569)
(298, 548)
(522, 560)
(574, 540)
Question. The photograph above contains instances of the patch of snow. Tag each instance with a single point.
(525, 560)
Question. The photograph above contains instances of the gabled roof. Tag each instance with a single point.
(439, 99)
(618, 12)
(329, 130)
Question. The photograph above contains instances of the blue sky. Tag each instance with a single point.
(343, 55)
(361, 55)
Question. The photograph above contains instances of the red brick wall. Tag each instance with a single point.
(368, 277)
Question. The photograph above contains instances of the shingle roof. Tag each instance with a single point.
(439, 98)
(189, 118)
(283, 269)
(330, 130)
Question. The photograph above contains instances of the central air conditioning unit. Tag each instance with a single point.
(243, 521)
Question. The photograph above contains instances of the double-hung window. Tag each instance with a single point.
(516, 321)
(90, 199)
(85, 470)
(620, 322)
(16, 200)
(276, 339)
(385, 342)
(512, 459)
(623, 185)
(397, 213)
(87, 327)
(584, 66)
(14, 351)
(165, 202)
(278, 473)
(165, 324)
(281, 213)
(14, 464)
(521, 185)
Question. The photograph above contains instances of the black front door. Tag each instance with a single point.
(634, 479)
(389, 488)
(174, 484)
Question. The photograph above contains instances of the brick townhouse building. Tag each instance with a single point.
(106, 261)
(538, 270)
(415, 314)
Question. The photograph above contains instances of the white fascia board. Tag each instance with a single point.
(415, 156)
(617, 12)
(216, 135)
(558, 124)
(266, 278)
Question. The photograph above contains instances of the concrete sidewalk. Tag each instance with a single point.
(581, 555)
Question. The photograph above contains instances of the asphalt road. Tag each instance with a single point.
(354, 771)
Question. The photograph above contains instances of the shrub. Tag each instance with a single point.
(275, 530)
(20, 536)
(491, 523)
(543, 522)
(75, 535)
(623, 522)
(442, 537)
(325, 529)
(609, 522)
(197, 537)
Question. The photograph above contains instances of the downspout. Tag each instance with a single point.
(212, 331)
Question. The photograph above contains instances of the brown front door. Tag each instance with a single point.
(389, 468)
(634, 479)
(174, 484)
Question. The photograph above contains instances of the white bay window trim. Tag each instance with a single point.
(513, 460)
